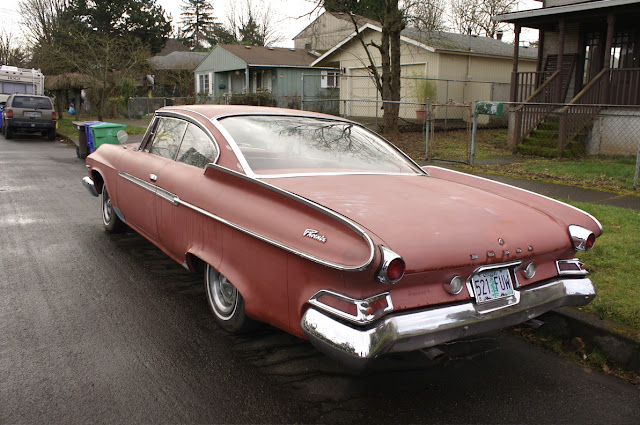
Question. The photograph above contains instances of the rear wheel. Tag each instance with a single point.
(52, 134)
(225, 301)
(8, 132)
(112, 222)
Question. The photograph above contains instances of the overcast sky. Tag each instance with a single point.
(290, 16)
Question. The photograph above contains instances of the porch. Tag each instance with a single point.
(589, 60)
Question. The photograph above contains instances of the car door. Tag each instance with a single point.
(177, 223)
(140, 173)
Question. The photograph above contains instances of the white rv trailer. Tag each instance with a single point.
(20, 80)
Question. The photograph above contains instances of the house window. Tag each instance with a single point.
(622, 51)
(330, 80)
(203, 83)
(262, 81)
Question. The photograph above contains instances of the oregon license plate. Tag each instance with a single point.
(492, 285)
(33, 114)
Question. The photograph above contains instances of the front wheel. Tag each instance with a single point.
(225, 301)
(112, 222)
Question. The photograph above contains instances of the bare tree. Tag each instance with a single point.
(394, 16)
(10, 52)
(473, 16)
(253, 25)
(39, 18)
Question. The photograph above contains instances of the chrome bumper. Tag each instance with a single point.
(356, 346)
(91, 187)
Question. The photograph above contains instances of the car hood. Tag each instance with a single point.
(434, 223)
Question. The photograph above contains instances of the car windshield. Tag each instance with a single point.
(294, 145)
(32, 102)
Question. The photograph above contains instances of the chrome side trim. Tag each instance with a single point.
(362, 318)
(139, 182)
(90, 185)
(350, 224)
(273, 242)
(533, 193)
(397, 332)
(175, 200)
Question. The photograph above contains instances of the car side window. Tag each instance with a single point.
(197, 149)
(167, 137)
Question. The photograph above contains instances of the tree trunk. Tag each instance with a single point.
(390, 51)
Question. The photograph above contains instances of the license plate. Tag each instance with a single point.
(491, 285)
(33, 114)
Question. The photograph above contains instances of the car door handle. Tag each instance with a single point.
(153, 177)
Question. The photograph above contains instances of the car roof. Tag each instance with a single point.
(219, 111)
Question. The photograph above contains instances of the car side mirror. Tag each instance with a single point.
(122, 137)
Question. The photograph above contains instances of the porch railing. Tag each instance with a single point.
(582, 108)
(528, 82)
(625, 87)
(539, 105)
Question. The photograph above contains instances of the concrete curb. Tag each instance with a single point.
(611, 339)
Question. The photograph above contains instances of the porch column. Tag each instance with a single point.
(514, 74)
(561, 28)
(611, 21)
(515, 119)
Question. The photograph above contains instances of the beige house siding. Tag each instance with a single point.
(477, 77)
(324, 33)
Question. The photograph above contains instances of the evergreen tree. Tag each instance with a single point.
(143, 19)
(197, 22)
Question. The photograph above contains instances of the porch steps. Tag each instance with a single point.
(543, 142)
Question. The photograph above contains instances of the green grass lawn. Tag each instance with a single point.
(66, 128)
(614, 264)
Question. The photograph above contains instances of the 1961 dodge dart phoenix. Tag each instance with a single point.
(317, 226)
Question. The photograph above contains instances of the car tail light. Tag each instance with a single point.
(392, 266)
(9, 113)
(571, 267)
(53, 116)
(581, 238)
(354, 310)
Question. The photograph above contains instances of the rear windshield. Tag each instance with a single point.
(293, 144)
(32, 102)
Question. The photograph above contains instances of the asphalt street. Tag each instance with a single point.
(106, 329)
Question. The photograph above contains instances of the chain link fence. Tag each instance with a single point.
(456, 132)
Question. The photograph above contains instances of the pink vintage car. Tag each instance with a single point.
(318, 226)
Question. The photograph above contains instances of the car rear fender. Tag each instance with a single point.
(556, 209)
(287, 221)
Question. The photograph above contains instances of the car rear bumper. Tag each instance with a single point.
(28, 125)
(357, 346)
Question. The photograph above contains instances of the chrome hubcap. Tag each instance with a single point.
(106, 207)
(222, 293)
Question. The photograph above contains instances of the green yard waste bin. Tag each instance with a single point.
(106, 132)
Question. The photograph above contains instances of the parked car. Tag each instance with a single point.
(317, 226)
(30, 114)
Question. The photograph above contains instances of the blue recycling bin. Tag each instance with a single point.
(88, 132)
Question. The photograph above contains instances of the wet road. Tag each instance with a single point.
(102, 328)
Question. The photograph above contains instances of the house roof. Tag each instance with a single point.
(177, 60)
(589, 6)
(271, 56)
(171, 46)
(440, 40)
(445, 41)
(360, 20)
